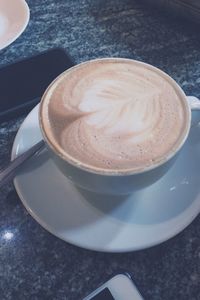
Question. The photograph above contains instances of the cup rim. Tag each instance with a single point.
(57, 150)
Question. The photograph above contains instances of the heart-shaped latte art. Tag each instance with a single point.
(115, 115)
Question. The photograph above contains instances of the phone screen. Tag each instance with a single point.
(24, 82)
(103, 295)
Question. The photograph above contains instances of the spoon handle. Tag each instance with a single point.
(10, 171)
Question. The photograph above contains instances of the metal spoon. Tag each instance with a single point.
(10, 171)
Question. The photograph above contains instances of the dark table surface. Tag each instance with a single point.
(33, 263)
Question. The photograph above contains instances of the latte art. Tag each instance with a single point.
(115, 115)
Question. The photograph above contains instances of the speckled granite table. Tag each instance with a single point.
(33, 263)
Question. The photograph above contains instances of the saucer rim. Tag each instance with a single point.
(158, 242)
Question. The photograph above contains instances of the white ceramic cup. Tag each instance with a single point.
(118, 183)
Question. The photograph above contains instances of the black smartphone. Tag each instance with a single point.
(23, 83)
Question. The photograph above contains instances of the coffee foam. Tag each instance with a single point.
(114, 114)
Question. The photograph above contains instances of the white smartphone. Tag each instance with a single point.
(120, 287)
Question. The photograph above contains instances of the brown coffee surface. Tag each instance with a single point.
(114, 114)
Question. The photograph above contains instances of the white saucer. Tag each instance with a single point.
(14, 17)
(104, 223)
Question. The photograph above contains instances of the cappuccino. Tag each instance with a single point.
(114, 114)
